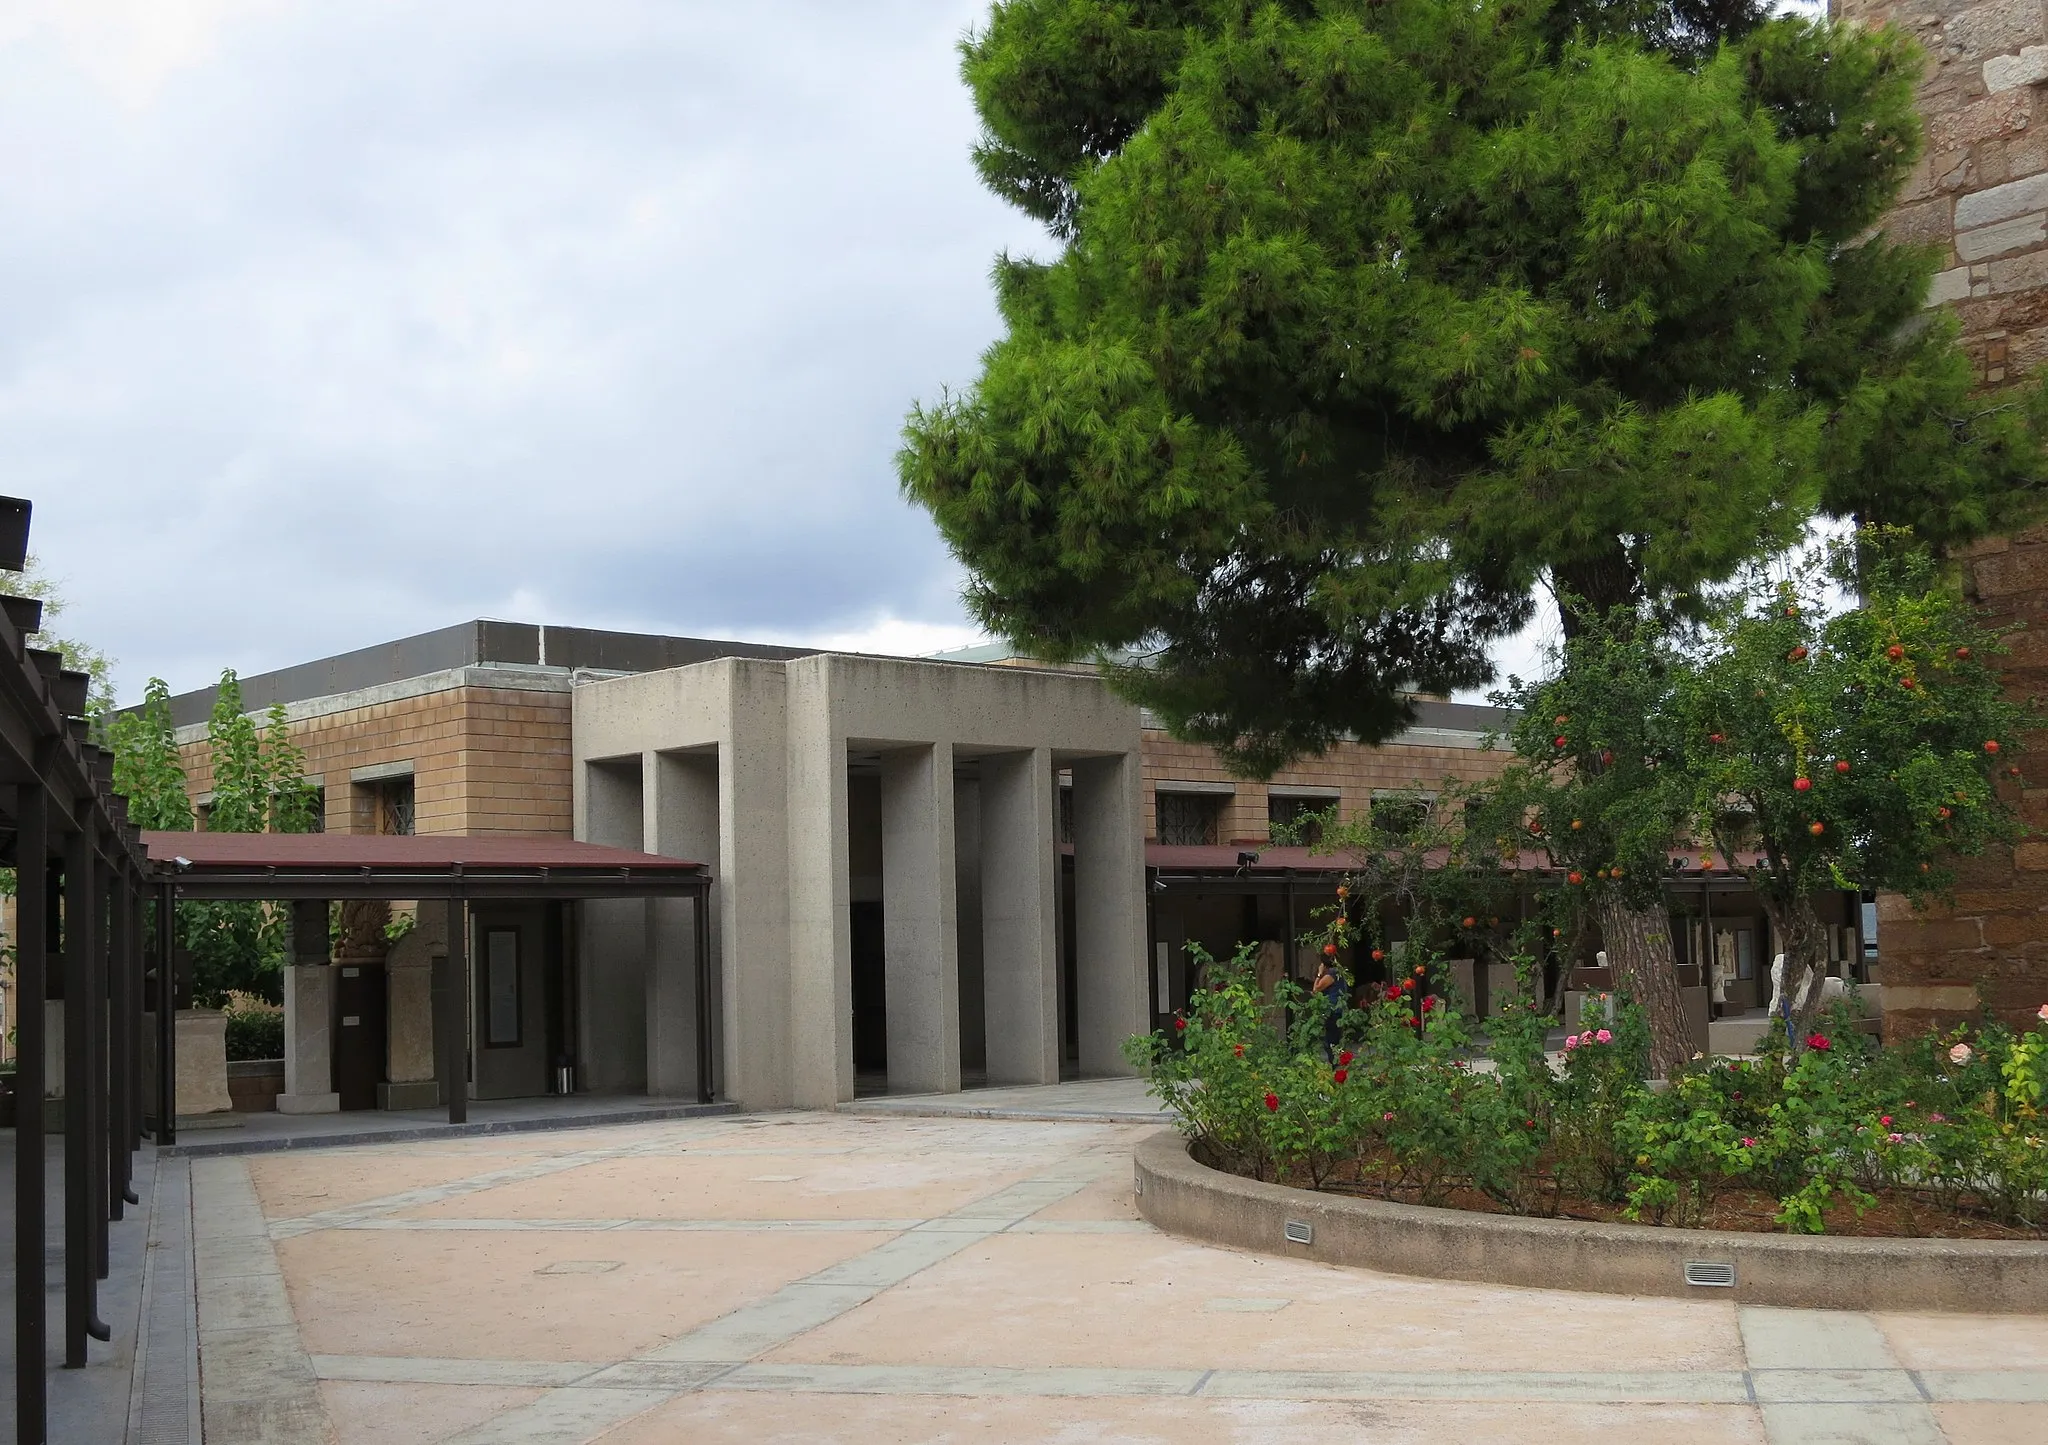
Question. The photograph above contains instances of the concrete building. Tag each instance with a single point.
(925, 873)
(1980, 192)
(885, 837)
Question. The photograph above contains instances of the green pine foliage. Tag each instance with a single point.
(1367, 317)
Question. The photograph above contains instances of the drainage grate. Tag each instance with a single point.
(1299, 1231)
(1710, 1272)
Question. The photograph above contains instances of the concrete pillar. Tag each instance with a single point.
(611, 1033)
(1109, 910)
(679, 820)
(920, 943)
(308, 1041)
(1019, 885)
(773, 892)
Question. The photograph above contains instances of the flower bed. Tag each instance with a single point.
(1942, 1138)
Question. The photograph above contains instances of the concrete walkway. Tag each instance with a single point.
(884, 1277)
(261, 1133)
(1102, 1101)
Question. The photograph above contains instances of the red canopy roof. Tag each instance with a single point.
(339, 865)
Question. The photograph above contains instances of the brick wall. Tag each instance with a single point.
(1981, 190)
(485, 760)
(1356, 771)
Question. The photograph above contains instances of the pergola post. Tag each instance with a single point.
(31, 1226)
(166, 1015)
(456, 1051)
(83, 1200)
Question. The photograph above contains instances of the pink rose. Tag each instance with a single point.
(1960, 1055)
(1749, 1143)
(2043, 1014)
(1894, 1138)
(1603, 1037)
(1571, 1041)
(1386, 1116)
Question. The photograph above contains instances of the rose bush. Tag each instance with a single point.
(1948, 1128)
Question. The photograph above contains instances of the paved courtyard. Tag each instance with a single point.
(806, 1277)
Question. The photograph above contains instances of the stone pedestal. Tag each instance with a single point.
(409, 1036)
(202, 1035)
(308, 1041)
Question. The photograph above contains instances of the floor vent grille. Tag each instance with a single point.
(1711, 1273)
(1299, 1231)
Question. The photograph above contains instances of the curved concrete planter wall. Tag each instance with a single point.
(1979, 1276)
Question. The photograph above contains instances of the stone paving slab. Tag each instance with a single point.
(713, 1298)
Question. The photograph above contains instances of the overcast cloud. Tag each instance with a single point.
(321, 324)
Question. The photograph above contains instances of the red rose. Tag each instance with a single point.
(1841, 765)
(1802, 785)
(1238, 1050)
(1341, 1075)
(1428, 1003)
(1272, 1103)
(1180, 1023)
(1345, 1057)
(1991, 746)
(1329, 950)
(1377, 955)
(1798, 654)
(1817, 1042)
(1895, 652)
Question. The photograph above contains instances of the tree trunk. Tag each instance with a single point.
(1803, 939)
(1639, 946)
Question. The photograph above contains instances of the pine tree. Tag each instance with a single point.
(1368, 317)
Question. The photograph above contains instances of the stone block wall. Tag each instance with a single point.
(485, 760)
(1981, 191)
(1356, 771)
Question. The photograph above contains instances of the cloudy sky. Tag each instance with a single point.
(325, 323)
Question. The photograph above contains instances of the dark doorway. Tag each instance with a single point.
(870, 1000)
(359, 1035)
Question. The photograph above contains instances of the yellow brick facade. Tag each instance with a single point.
(485, 760)
(1356, 771)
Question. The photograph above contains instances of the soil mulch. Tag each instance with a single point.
(1896, 1215)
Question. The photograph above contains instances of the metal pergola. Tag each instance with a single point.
(80, 875)
(326, 867)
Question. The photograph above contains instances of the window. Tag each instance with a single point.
(1297, 822)
(1066, 818)
(1187, 820)
(394, 806)
(1400, 814)
(501, 988)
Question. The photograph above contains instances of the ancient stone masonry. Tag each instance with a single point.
(1981, 189)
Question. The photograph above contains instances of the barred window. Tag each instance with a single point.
(1298, 822)
(1399, 816)
(394, 806)
(1187, 819)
